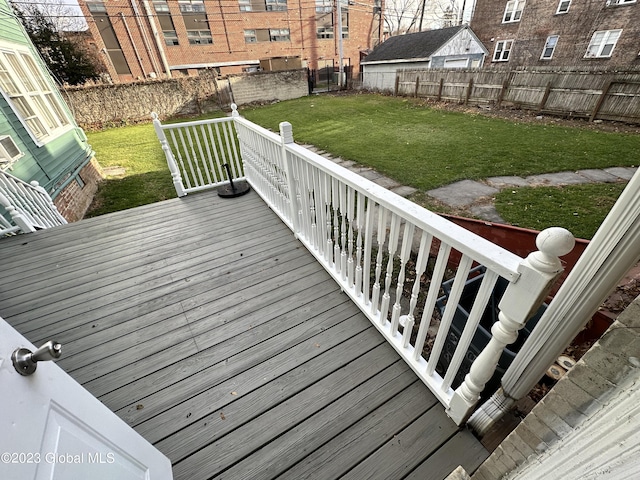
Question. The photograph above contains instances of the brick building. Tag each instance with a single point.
(583, 33)
(158, 38)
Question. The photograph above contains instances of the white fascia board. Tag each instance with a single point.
(398, 60)
(215, 64)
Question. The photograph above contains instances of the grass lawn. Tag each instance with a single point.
(147, 178)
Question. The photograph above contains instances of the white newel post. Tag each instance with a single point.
(520, 301)
(16, 216)
(171, 162)
(47, 198)
(286, 134)
(614, 249)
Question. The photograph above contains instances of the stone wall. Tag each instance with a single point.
(101, 106)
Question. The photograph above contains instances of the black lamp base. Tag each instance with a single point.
(234, 189)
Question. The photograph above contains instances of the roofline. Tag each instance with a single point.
(397, 60)
(215, 64)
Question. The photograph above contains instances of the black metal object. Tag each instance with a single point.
(232, 189)
(483, 333)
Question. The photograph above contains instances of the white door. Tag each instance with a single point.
(52, 428)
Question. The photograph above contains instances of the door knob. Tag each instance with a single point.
(25, 362)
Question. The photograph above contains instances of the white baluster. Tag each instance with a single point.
(381, 235)
(393, 246)
(343, 231)
(407, 239)
(360, 201)
(368, 243)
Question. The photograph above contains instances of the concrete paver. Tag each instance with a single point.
(505, 182)
(623, 172)
(593, 175)
(556, 179)
(463, 193)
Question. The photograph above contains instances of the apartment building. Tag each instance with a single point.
(160, 38)
(582, 33)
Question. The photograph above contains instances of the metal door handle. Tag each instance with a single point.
(25, 362)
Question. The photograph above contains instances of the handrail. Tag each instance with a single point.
(28, 207)
(378, 246)
(197, 151)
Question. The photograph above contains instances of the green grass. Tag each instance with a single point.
(578, 208)
(147, 178)
(426, 148)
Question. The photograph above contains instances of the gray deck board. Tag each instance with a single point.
(209, 329)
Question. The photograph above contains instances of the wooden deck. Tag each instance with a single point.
(207, 327)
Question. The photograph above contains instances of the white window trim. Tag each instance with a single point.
(50, 133)
(615, 3)
(6, 160)
(546, 46)
(503, 43)
(518, 6)
(560, 3)
(605, 41)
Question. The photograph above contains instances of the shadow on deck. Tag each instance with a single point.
(205, 325)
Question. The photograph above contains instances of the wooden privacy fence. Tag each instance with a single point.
(604, 95)
(394, 260)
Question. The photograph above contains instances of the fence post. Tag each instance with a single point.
(545, 97)
(395, 90)
(598, 105)
(521, 299)
(286, 134)
(503, 90)
(469, 88)
(171, 162)
(440, 89)
(417, 86)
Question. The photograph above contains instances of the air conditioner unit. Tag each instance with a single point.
(9, 152)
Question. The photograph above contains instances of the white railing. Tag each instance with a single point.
(27, 207)
(392, 257)
(200, 154)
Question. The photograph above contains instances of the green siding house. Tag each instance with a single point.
(39, 139)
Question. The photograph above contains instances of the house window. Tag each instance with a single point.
(276, 5)
(502, 51)
(161, 6)
(323, 6)
(602, 44)
(31, 96)
(9, 152)
(620, 2)
(549, 47)
(199, 37)
(170, 37)
(563, 6)
(279, 35)
(513, 11)
(187, 6)
(250, 36)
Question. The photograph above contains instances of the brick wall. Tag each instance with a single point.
(574, 28)
(580, 396)
(73, 201)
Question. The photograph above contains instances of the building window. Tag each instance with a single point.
(502, 51)
(279, 35)
(324, 6)
(9, 152)
(324, 32)
(245, 5)
(513, 11)
(31, 96)
(602, 44)
(563, 6)
(170, 37)
(96, 6)
(199, 37)
(276, 5)
(188, 6)
(161, 6)
(620, 2)
(250, 36)
(549, 47)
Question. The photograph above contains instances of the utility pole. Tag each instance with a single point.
(340, 50)
(421, 15)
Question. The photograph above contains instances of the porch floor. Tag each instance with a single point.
(205, 325)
